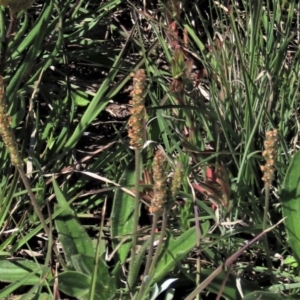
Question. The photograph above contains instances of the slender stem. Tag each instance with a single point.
(33, 200)
(265, 239)
(198, 235)
(136, 215)
(97, 254)
(160, 242)
(149, 259)
(150, 252)
(145, 289)
(266, 208)
(50, 238)
(39, 212)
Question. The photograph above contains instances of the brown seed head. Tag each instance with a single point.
(136, 120)
(269, 154)
(160, 185)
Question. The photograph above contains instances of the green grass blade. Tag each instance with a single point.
(31, 55)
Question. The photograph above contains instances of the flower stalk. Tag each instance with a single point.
(136, 140)
(158, 209)
(268, 170)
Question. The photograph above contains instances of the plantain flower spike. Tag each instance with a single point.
(136, 121)
(6, 132)
(177, 180)
(160, 185)
(269, 154)
(16, 6)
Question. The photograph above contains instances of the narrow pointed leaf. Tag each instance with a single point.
(290, 199)
(71, 234)
(122, 214)
(177, 250)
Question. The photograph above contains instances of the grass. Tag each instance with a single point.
(194, 195)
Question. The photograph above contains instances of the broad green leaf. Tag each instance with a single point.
(18, 244)
(122, 214)
(35, 294)
(83, 264)
(290, 199)
(177, 249)
(86, 264)
(104, 281)
(8, 290)
(77, 284)
(291, 261)
(74, 284)
(71, 234)
(80, 98)
(26, 271)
